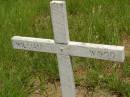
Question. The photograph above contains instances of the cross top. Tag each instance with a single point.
(59, 22)
(64, 48)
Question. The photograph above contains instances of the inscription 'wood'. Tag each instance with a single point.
(65, 48)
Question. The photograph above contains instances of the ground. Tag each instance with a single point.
(91, 21)
(53, 89)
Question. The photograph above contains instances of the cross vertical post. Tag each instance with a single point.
(61, 36)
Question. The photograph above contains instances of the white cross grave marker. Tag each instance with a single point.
(65, 48)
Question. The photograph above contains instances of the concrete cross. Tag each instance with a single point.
(64, 48)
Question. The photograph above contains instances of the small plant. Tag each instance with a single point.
(117, 85)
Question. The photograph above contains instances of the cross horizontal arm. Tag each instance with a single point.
(97, 51)
(34, 44)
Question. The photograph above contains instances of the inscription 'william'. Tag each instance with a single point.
(28, 45)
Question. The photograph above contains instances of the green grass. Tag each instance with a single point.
(95, 21)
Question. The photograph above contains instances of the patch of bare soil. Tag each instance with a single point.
(54, 90)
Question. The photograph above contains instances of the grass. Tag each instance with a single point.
(95, 21)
